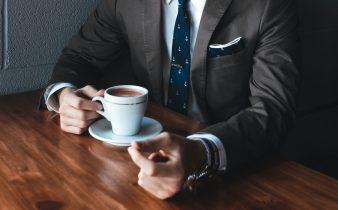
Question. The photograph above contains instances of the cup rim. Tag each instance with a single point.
(126, 100)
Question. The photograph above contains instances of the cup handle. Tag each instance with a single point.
(103, 102)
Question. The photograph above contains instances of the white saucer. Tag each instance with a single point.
(102, 131)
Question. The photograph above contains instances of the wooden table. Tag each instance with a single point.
(43, 168)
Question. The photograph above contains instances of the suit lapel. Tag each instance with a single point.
(213, 12)
(152, 46)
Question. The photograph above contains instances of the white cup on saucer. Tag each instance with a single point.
(124, 106)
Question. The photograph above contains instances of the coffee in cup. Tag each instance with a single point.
(125, 92)
(124, 106)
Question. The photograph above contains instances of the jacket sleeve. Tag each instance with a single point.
(97, 43)
(260, 128)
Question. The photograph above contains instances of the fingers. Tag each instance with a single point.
(149, 166)
(163, 172)
(77, 111)
(154, 187)
(154, 144)
(162, 188)
(74, 126)
(100, 93)
(73, 129)
(88, 91)
(79, 99)
(77, 114)
(158, 157)
(75, 122)
(142, 162)
(82, 103)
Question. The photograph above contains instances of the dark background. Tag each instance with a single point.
(314, 142)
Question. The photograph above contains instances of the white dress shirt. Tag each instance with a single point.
(170, 11)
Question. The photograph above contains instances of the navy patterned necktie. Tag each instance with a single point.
(179, 80)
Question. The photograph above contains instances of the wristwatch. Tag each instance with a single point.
(206, 171)
(197, 176)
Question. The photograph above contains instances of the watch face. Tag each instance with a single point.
(197, 176)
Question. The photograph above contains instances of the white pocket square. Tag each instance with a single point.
(216, 50)
(233, 42)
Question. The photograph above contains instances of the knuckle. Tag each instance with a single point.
(78, 131)
(67, 129)
(175, 188)
(152, 171)
(167, 136)
(89, 91)
(89, 87)
(82, 130)
(162, 195)
(63, 126)
(141, 176)
(140, 182)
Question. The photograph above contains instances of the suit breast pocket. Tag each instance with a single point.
(226, 60)
(227, 86)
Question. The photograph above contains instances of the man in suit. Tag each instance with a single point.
(238, 63)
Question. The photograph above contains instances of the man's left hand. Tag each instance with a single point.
(171, 158)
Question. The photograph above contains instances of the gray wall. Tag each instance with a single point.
(33, 33)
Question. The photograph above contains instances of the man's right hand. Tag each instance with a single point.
(77, 110)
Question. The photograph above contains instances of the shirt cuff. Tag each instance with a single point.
(51, 100)
(221, 150)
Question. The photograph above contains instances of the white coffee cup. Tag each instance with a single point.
(124, 106)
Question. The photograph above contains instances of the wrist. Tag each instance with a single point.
(202, 167)
(199, 156)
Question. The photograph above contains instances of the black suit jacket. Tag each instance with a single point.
(247, 98)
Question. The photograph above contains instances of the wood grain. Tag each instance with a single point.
(43, 168)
